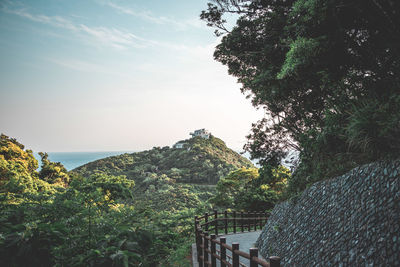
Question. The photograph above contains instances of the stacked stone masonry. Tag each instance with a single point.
(351, 220)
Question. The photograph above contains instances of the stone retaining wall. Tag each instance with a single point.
(351, 220)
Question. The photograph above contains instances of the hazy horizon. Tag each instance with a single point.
(237, 149)
(105, 75)
(72, 160)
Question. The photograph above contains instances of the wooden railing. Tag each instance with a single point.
(210, 249)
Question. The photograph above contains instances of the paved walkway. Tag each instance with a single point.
(246, 241)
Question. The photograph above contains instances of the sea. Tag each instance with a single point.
(71, 160)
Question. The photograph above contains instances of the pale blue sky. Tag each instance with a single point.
(101, 75)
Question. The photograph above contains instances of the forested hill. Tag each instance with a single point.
(201, 161)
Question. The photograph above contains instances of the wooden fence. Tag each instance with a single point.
(210, 249)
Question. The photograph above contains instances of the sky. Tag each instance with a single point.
(102, 75)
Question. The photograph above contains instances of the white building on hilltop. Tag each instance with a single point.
(180, 144)
(202, 133)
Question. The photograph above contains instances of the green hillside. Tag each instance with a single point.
(128, 210)
(99, 219)
(200, 161)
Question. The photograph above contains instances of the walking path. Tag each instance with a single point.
(245, 240)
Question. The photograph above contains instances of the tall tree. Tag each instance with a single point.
(18, 169)
(325, 71)
(53, 172)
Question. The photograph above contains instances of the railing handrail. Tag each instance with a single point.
(206, 244)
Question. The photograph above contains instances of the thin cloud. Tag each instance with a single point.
(148, 16)
(112, 37)
(107, 36)
(55, 21)
(143, 15)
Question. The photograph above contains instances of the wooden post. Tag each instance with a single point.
(253, 253)
(195, 229)
(206, 221)
(241, 221)
(226, 221)
(205, 253)
(255, 221)
(274, 261)
(213, 252)
(234, 222)
(261, 221)
(201, 252)
(198, 238)
(248, 221)
(235, 257)
(216, 222)
(223, 251)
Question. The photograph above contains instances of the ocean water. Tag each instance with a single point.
(71, 160)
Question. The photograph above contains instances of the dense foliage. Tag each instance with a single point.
(201, 161)
(252, 189)
(327, 73)
(96, 216)
(18, 173)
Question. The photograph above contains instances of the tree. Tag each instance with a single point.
(251, 189)
(229, 187)
(18, 169)
(325, 71)
(13, 151)
(53, 172)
